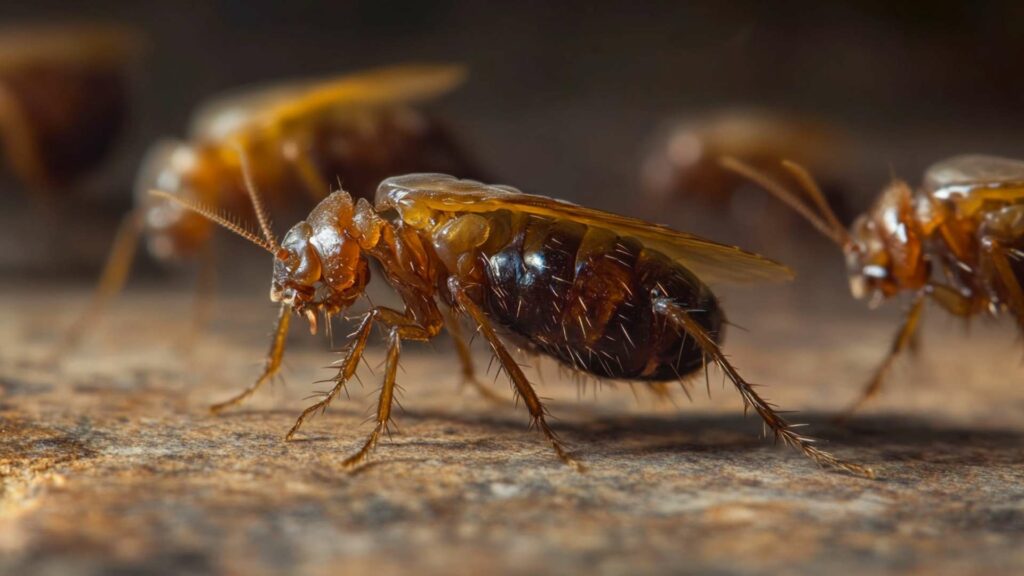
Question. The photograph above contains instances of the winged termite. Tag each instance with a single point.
(603, 294)
(299, 138)
(957, 240)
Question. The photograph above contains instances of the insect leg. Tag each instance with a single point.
(112, 280)
(270, 366)
(1004, 270)
(387, 396)
(903, 340)
(454, 327)
(402, 326)
(781, 428)
(526, 391)
(951, 300)
(345, 371)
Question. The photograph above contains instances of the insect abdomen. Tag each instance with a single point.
(583, 295)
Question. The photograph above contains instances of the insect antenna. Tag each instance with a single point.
(811, 187)
(257, 201)
(824, 219)
(212, 215)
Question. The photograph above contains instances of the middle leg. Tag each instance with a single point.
(466, 359)
(523, 387)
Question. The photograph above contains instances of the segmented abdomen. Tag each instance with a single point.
(583, 295)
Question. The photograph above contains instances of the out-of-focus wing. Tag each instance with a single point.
(281, 104)
(69, 45)
(960, 175)
(711, 261)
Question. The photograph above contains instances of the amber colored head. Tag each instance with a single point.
(883, 247)
(884, 254)
(320, 263)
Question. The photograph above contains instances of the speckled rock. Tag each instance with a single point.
(110, 462)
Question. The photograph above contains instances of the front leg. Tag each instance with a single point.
(346, 370)
(271, 365)
(904, 339)
(401, 326)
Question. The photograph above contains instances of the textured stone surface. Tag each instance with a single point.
(111, 464)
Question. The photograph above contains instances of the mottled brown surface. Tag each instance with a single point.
(111, 464)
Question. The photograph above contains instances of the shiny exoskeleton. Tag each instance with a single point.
(586, 297)
(607, 295)
(64, 99)
(299, 139)
(957, 240)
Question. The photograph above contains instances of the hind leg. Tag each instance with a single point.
(781, 429)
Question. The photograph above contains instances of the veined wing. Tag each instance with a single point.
(280, 104)
(711, 261)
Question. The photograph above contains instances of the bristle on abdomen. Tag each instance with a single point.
(583, 295)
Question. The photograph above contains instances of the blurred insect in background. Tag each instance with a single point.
(606, 295)
(957, 240)
(300, 137)
(683, 166)
(64, 99)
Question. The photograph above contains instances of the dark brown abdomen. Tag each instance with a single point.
(584, 296)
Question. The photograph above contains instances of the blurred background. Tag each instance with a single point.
(597, 102)
(567, 99)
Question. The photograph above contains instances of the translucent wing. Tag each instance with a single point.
(957, 177)
(283, 103)
(234, 112)
(711, 261)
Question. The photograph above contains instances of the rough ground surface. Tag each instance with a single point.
(111, 464)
